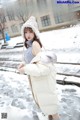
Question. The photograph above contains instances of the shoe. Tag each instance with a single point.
(50, 117)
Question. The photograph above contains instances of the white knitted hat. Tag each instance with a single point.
(31, 22)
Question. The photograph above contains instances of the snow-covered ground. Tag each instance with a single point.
(16, 99)
(15, 94)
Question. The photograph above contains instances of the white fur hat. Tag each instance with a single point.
(31, 22)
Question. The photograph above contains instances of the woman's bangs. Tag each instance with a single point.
(28, 29)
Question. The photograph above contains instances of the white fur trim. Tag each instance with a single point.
(48, 56)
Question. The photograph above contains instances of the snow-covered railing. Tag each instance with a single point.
(7, 46)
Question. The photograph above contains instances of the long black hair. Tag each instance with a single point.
(34, 39)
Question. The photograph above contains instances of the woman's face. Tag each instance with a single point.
(29, 34)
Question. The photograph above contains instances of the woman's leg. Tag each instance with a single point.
(50, 117)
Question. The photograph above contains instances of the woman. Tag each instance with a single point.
(42, 77)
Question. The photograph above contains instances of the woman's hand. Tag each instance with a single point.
(21, 70)
(21, 65)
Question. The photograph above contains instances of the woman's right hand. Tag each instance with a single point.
(21, 65)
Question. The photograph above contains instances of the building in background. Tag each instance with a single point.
(49, 15)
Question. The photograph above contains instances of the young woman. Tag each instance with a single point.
(42, 76)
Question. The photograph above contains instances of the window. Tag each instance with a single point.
(45, 20)
(14, 28)
(42, 5)
(59, 19)
(29, 4)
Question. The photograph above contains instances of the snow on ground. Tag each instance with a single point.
(62, 38)
(16, 98)
(15, 94)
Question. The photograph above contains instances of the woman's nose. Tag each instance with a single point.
(28, 34)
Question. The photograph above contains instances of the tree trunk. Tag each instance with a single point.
(3, 36)
(2, 31)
